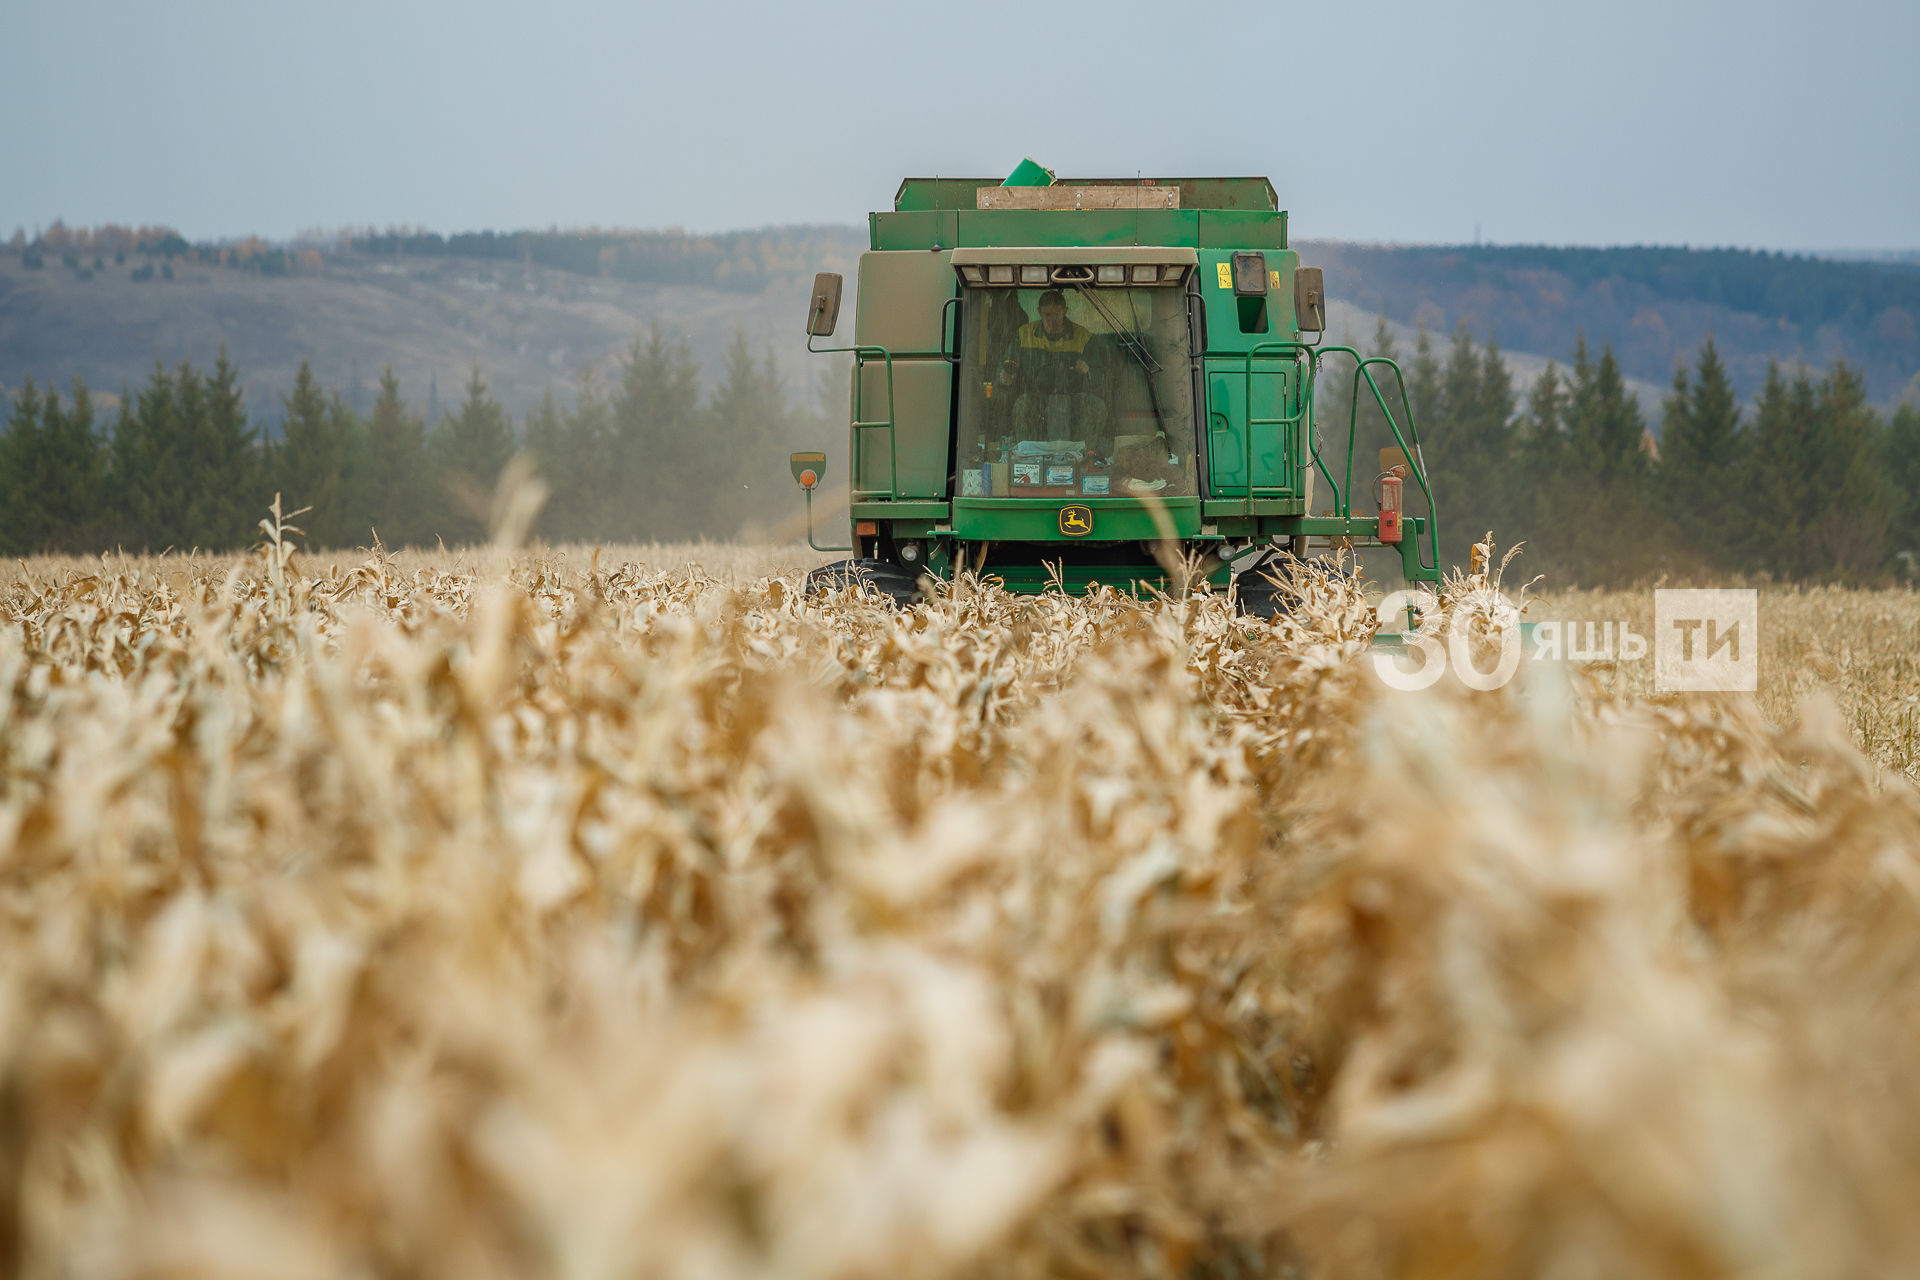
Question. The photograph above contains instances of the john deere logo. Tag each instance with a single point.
(1076, 521)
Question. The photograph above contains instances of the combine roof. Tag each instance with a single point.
(1194, 193)
(1201, 213)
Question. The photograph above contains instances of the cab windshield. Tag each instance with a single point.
(1075, 391)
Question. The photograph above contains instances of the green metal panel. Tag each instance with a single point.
(1275, 395)
(995, 227)
(1038, 519)
(1223, 317)
(1206, 228)
(919, 230)
(919, 509)
(1080, 255)
(901, 295)
(1195, 193)
(1227, 507)
(1240, 229)
(922, 418)
(1029, 173)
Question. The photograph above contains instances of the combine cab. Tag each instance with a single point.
(1060, 383)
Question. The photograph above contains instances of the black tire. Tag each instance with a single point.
(898, 585)
(1257, 595)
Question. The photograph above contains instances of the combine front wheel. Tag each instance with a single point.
(1257, 593)
(899, 585)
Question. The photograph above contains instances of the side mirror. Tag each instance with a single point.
(1309, 300)
(808, 468)
(823, 313)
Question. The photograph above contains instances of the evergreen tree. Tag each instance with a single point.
(1538, 473)
(226, 470)
(572, 453)
(592, 451)
(1775, 488)
(1900, 456)
(400, 502)
(1700, 459)
(547, 445)
(71, 479)
(1603, 525)
(1424, 387)
(1612, 428)
(146, 475)
(749, 410)
(19, 453)
(473, 447)
(1852, 506)
(309, 466)
(655, 441)
(183, 466)
(1471, 434)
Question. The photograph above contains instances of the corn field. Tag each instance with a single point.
(632, 914)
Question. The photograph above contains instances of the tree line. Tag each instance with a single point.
(179, 465)
(1807, 482)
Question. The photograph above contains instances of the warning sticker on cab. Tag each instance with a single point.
(1226, 275)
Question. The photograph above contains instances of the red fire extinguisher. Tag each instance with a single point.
(1388, 489)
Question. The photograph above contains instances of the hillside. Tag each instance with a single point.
(529, 326)
(1654, 305)
(535, 309)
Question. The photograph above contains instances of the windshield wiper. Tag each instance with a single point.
(1129, 340)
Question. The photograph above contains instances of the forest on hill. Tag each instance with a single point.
(1654, 305)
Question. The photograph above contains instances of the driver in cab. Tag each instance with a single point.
(1051, 367)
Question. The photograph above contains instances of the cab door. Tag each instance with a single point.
(1275, 396)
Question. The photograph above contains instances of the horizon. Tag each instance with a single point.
(326, 238)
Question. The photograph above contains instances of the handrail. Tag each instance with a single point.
(1409, 440)
(863, 352)
(1415, 459)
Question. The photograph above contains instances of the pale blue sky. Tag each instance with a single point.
(1765, 124)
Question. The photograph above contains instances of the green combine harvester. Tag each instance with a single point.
(1068, 383)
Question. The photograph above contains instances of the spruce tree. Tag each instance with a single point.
(72, 474)
(748, 410)
(1423, 386)
(1618, 430)
(592, 471)
(569, 449)
(144, 468)
(1774, 487)
(1540, 450)
(1900, 456)
(1700, 459)
(227, 476)
(19, 451)
(1852, 505)
(473, 447)
(184, 469)
(310, 460)
(656, 452)
(400, 502)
